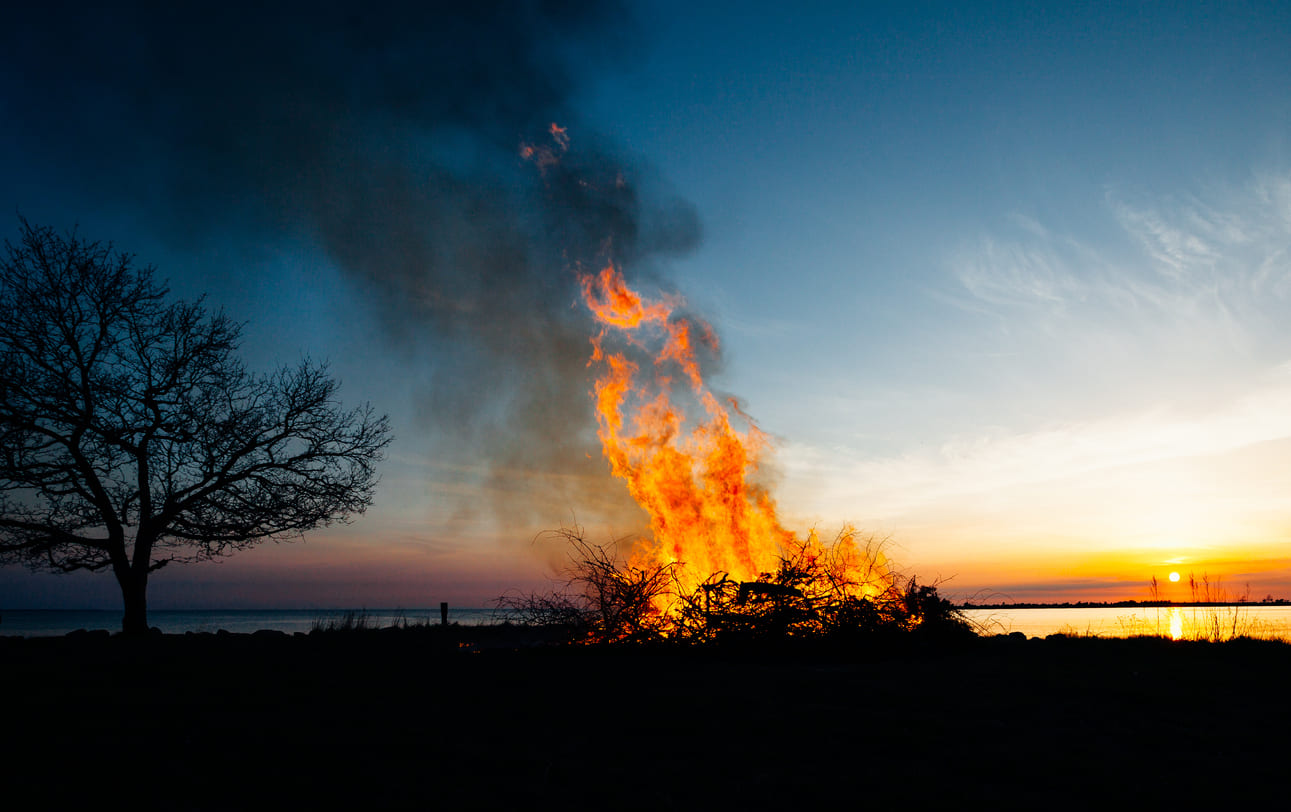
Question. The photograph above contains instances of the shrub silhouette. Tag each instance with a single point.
(837, 593)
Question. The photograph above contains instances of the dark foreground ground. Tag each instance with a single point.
(424, 719)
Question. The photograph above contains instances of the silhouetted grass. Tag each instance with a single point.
(350, 621)
(1212, 615)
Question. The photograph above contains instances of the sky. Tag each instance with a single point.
(1007, 283)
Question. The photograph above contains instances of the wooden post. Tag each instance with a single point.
(443, 613)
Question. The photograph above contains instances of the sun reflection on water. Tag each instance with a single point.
(1206, 622)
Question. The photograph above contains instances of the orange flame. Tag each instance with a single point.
(695, 481)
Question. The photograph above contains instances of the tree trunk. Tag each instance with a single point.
(134, 588)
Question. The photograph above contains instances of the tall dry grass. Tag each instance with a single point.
(1213, 614)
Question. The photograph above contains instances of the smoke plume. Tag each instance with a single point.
(389, 135)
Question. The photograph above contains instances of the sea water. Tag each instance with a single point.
(1176, 622)
(55, 622)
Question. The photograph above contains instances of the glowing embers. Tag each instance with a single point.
(545, 156)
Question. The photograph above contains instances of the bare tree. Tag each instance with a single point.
(132, 437)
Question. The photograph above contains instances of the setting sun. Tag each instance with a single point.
(1174, 577)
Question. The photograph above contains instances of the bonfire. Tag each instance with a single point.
(717, 557)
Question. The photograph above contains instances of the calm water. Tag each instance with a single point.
(1219, 622)
(45, 623)
(1180, 623)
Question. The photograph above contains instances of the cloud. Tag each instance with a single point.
(1133, 389)
(1218, 258)
(993, 461)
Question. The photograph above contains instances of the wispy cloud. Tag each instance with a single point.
(996, 460)
(1015, 273)
(1176, 252)
(1220, 256)
(1154, 361)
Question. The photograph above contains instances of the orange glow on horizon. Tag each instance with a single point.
(1036, 576)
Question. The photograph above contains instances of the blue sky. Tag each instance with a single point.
(1008, 282)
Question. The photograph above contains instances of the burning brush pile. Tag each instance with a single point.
(840, 593)
(718, 565)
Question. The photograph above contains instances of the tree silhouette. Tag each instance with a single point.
(132, 437)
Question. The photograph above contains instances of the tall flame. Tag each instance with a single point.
(694, 479)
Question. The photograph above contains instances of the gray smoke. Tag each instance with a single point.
(390, 136)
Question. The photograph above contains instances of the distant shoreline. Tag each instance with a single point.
(1120, 604)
